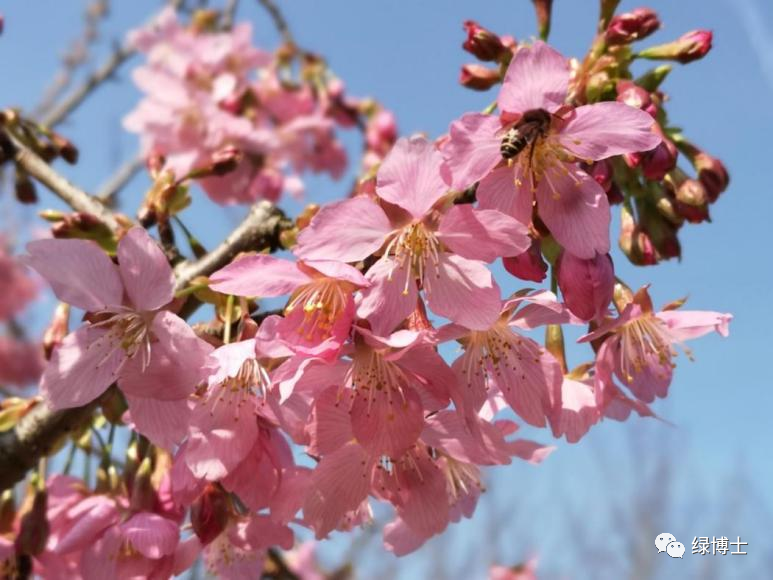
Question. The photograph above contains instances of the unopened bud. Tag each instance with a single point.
(478, 77)
(586, 285)
(601, 171)
(661, 232)
(209, 513)
(65, 148)
(689, 47)
(633, 95)
(529, 265)
(711, 171)
(543, 9)
(25, 188)
(631, 26)
(635, 243)
(34, 527)
(691, 200)
(57, 330)
(482, 43)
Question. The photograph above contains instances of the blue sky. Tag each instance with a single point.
(408, 56)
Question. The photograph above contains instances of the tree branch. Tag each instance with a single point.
(279, 20)
(73, 196)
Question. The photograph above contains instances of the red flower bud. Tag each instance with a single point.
(209, 514)
(528, 265)
(712, 174)
(586, 285)
(478, 77)
(482, 43)
(689, 47)
(631, 26)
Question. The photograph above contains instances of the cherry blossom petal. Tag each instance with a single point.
(340, 483)
(473, 148)
(390, 298)
(387, 425)
(537, 78)
(688, 324)
(330, 425)
(579, 410)
(464, 291)
(90, 517)
(347, 231)
(499, 190)
(338, 270)
(151, 535)
(575, 209)
(482, 234)
(81, 368)
(79, 271)
(410, 176)
(260, 275)
(400, 539)
(602, 130)
(165, 423)
(145, 271)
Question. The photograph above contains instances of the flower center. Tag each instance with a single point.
(250, 381)
(410, 248)
(323, 301)
(644, 339)
(373, 375)
(128, 330)
(461, 477)
(487, 352)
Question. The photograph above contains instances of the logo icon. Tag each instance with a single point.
(667, 543)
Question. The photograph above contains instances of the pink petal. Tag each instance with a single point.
(425, 499)
(537, 78)
(389, 299)
(145, 271)
(91, 517)
(347, 231)
(463, 291)
(387, 423)
(482, 234)
(410, 176)
(530, 451)
(259, 275)
(473, 148)
(400, 539)
(216, 446)
(151, 535)
(176, 364)
(261, 532)
(338, 270)
(606, 129)
(330, 426)
(81, 368)
(339, 484)
(575, 209)
(79, 272)
(579, 410)
(165, 423)
(688, 324)
(498, 191)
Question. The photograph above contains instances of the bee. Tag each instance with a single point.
(533, 124)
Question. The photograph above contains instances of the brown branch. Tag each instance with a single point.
(73, 196)
(279, 20)
(116, 182)
(58, 113)
(33, 437)
(229, 14)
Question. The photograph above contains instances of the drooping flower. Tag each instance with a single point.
(420, 238)
(321, 304)
(639, 347)
(155, 357)
(571, 203)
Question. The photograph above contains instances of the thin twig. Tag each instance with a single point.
(116, 182)
(279, 20)
(56, 115)
(229, 14)
(73, 196)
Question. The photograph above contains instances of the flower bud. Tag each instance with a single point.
(478, 77)
(65, 148)
(631, 26)
(209, 514)
(689, 47)
(635, 243)
(633, 95)
(692, 201)
(25, 188)
(661, 232)
(543, 8)
(602, 172)
(34, 527)
(586, 284)
(529, 265)
(482, 43)
(711, 171)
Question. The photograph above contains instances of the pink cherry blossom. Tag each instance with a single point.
(321, 305)
(153, 354)
(21, 362)
(17, 289)
(571, 204)
(420, 238)
(639, 347)
(587, 285)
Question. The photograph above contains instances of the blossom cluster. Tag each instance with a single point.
(258, 423)
(235, 117)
